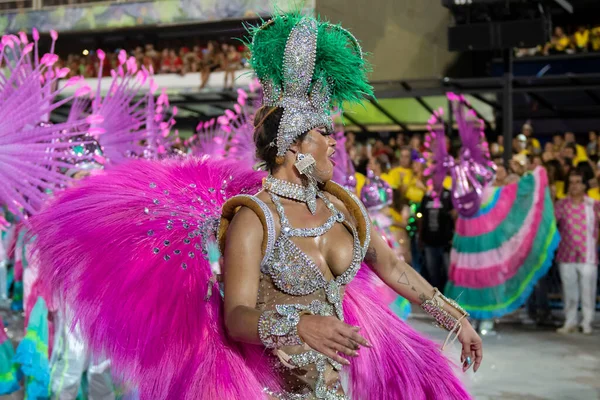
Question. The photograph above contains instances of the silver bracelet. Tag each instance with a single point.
(280, 327)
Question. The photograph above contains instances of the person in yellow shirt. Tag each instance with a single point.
(587, 171)
(595, 38)
(380, 166)
(360, 181)
(582, 39)
(580, 152)
(533, 145)
(559, 43)
(520, 145)
(415, 188)
(402, 174)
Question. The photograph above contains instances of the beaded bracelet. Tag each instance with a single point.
(435, 308)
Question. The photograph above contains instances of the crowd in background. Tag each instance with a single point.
(429, 230)
(205, 59)
(582, 39)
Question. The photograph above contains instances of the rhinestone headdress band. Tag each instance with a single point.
(304, 107)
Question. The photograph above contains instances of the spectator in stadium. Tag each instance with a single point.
(536, 161)
(501, 172)
(380, 148)
(533, 145)
(497, 147)
(548, 153)
(153, 56)
(581, 39)
(520, 145)
(210, 63)
(402, 174)
(592, 147)
(177, 66)
(166, 62)
(558, 141)
(400, 140)
(518, 165)
(416, 144)
(233, 60)
(568, 154)
(580, 153)
(559, 44)
(380, 165)
(595, 38)
(577, 217)
(556, 179)
(436, 229)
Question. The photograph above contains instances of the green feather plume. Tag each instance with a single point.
(338, 59)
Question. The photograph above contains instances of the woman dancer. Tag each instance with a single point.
(298, 299)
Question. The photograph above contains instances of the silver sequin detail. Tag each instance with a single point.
(363, 210)
(289, 190)
(294, 273)
(303, 110)
(287, 229)
(270, 226)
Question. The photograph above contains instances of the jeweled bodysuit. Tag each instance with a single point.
(291, 281)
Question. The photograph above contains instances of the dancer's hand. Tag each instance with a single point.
(329, 335)
(472, 347)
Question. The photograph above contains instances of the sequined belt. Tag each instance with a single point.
(309, 357)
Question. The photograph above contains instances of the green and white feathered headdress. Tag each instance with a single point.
(307, 67)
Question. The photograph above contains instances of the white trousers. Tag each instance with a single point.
(579, 281)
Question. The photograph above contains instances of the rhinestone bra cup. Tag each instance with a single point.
(294, 273)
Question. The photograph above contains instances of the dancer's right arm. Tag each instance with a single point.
(241, 269)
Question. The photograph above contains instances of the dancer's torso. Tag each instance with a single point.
(308, 262)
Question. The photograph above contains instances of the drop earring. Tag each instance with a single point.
(305, 164)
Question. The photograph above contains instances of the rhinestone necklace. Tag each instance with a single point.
(289, 190)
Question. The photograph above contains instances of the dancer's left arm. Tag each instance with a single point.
(408, 283)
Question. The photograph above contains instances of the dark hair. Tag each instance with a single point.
(384, 162)
(555, 172)
(266, 123)
(577, 172)
(572, 147)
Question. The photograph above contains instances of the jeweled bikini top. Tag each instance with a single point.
(292, 271)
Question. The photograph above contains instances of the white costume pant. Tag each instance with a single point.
(579, 281)
(70, 359)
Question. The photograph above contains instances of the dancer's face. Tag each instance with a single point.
(321, 145)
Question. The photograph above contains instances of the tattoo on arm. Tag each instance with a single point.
(422, 297)
(403, 280)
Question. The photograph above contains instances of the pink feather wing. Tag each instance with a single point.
(124, 249)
